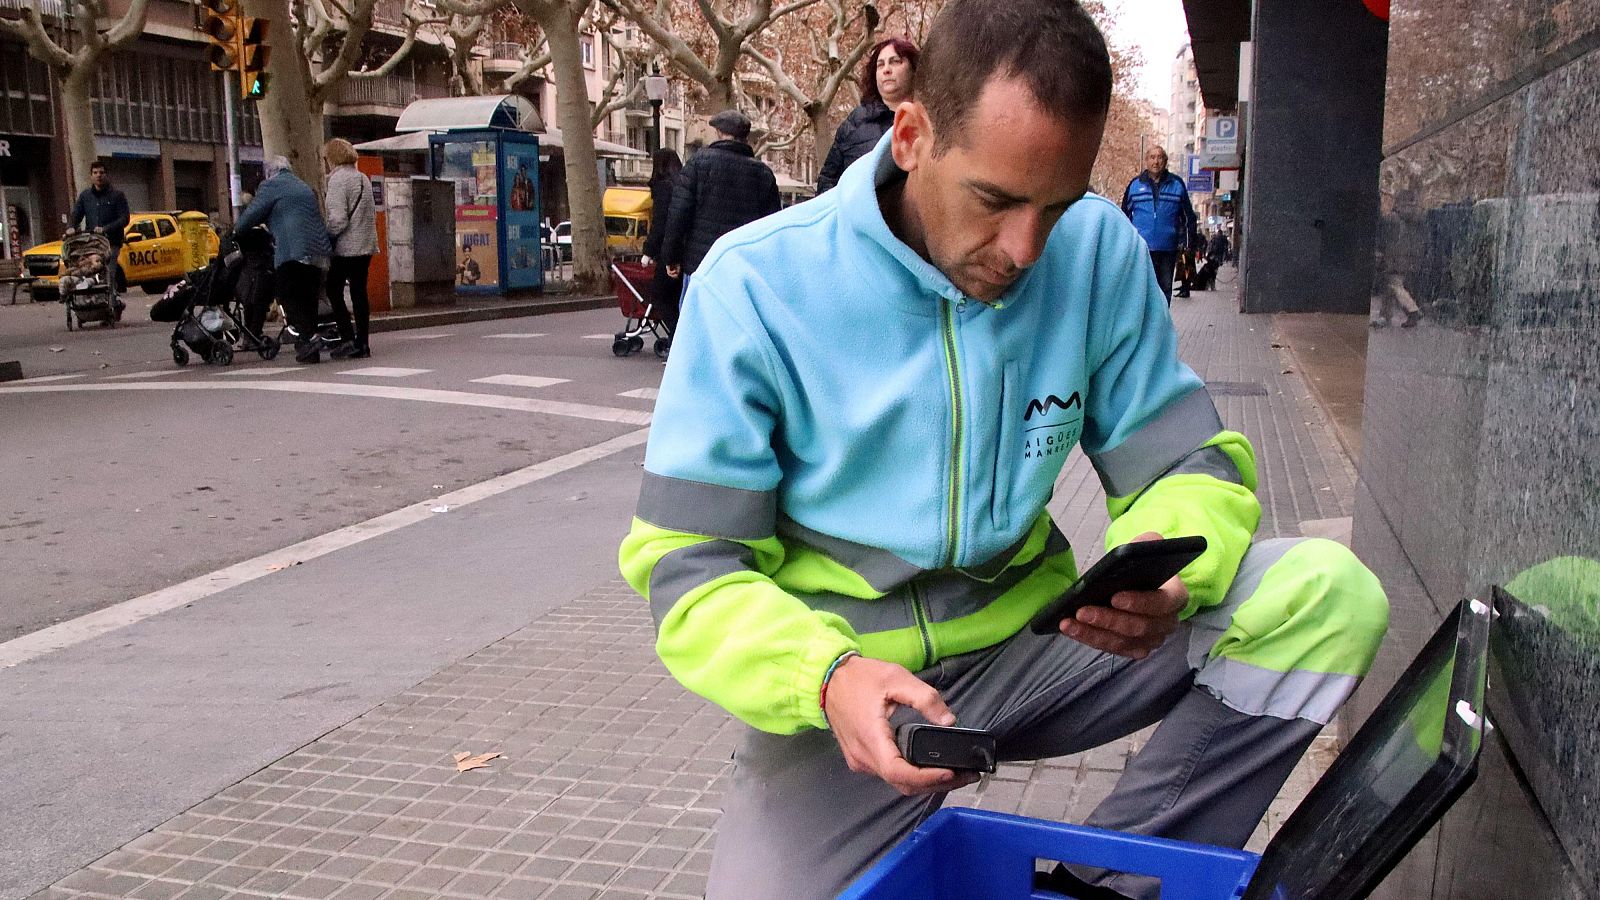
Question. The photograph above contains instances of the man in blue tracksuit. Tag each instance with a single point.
(842, 521)
(1158, 204)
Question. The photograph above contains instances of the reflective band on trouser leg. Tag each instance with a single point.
(1296, 632)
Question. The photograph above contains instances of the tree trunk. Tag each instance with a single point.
(560, 22)
(823, 127)
(78, 116)
(290, 125)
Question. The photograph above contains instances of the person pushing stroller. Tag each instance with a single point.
(288, 207)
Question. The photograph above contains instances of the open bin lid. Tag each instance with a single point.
(1412, 759)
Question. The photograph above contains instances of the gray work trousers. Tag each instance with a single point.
(798, 824)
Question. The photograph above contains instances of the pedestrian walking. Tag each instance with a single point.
(353, 226)
(1216, 255)
(1157, 202)
(887, 80)
(720, 188)
(842, 523)
(666, 289)
(103, 209)
(1398, 255)
(301, 249)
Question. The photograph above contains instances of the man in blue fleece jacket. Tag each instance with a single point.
(842, 523)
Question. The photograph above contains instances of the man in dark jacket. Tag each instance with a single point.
(301, 249)
(103, 209)
(1158, 203)
(720, 188)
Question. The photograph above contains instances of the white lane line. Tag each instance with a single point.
(642, 393)
(384, 372)
(38, 379)
(530, 334)
(85, 627)
(259, 370)
(599, 337)
(532, 381)
(386, 391)
(422, 337)
(153, 374)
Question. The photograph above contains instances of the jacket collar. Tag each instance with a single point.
(1156, 182)
(732, 146)
(857, 197)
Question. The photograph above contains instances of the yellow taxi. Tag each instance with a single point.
(158, 248)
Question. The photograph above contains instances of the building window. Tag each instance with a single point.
(586, 44)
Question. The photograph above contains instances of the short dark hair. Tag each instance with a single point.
(1052, 45)
(97, 164)
(869, 73)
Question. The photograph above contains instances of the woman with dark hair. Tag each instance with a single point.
(664, 168)
(885, 83)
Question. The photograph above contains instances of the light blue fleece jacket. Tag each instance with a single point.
(820, 358)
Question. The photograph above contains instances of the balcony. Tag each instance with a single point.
(505, 57)
(49, 9)
(384, 96)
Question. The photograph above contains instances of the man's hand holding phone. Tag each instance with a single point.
(861, 696)
(1136, 623)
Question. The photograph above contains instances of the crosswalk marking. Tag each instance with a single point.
(422, 337)
(599, 337)
(530, 334)
(39, 378)
(532, 381)
(385, 372)
(160, 374)
(642, 393)
(258, 370)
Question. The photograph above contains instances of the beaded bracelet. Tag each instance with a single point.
(822, 695)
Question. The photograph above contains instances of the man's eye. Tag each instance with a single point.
(993, 204)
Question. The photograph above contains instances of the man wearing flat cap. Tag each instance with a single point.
(721, 188)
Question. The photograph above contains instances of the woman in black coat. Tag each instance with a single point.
(885, 84)
(664, 168)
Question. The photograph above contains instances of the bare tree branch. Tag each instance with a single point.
(414, 21)
(531, 65)
(30, 28)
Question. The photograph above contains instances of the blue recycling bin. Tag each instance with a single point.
(970, 854)
(1391, 784)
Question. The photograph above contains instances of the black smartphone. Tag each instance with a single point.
(946, 747)
(1137, 566)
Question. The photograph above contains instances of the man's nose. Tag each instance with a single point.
(1023, 237)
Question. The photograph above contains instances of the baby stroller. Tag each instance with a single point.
(88, 287)
(634, 285)
(208, 309)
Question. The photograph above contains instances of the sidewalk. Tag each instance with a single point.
(608, 782)
(35, 334)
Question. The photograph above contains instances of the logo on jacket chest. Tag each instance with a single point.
(1051, 425)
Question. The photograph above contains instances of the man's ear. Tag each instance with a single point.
(911, 135)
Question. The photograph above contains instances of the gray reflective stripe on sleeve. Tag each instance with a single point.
(881, 569)
(1283, 695)
(687, 568)
(1209, 623)
(694, 507)
(1153, 449)
(1213, 461)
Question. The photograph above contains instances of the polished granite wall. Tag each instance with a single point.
(1309, 196)
(1481, 433)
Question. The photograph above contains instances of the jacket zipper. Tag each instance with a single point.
(957, 437)
(921, 616)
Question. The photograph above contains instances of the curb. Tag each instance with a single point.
(447, 316)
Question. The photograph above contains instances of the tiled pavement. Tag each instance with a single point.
(608, 784)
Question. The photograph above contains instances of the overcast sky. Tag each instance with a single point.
(1158, 29)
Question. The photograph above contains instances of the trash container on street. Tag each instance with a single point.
(195, 228)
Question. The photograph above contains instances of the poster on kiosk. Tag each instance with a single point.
(496, 177)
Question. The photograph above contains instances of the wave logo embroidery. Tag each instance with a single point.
(1052, 438)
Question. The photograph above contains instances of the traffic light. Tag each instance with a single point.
(221, 23)
(253, 56)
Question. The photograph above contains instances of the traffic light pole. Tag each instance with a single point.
(231, 128)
